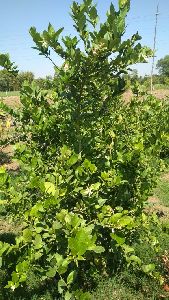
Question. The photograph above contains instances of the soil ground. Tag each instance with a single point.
(160, 94)
(12, 101)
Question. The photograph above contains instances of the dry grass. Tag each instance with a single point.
(160, 94)
(12, 101)
(159, 202)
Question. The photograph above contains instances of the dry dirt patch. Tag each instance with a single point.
(8, 228)
(165, 177)
(6, 160)
(156, 206)
(161, 94)
(12, 101)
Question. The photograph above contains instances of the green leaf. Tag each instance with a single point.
(3, 178)
(88, 165)
(61, 263)
(3, 202)
(82, 22)
(56, 225)
(7, 64)
(88, 2)
(112, 9)
(127, 248)
(3, 247)
(139, 146)
(116, 217)
(68, 295)
(107, 36)
(22, 266)
(3, 59)
(38, 254)
(2, 170)
(27, 235)
(93, 14)
(101, 201)
(58, 32)
(50, 188)
(63, 267)
(38, 242)
(35, 35)
(120, 240)
(148, 268)
(51, 272)
(80, 295)
(124, 3)
(96, 186)
(73, 160)
(15, 277)
(134, 258)
(82, 242)
(0, 262)
(71, 277)
(36, 209)
(61, 285)
(97, 249)
(51, 30)
(126, 220)
(59, 259)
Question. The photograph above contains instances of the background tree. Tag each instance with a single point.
(40, 82)
(25, 76)
(134, 74)
(163, 66)
(8, 82)
(4, 80)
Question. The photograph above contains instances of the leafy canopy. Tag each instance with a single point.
(163, 66)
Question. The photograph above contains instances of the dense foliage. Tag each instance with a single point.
(88, 160)
(163, 66)
(11, 82)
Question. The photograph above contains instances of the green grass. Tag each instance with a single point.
(127, 286)
(8, 94)
(160, 86)
(135, 285)
(162, 192)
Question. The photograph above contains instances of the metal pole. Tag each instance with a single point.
(154, 47)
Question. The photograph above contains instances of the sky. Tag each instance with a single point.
(17, 16)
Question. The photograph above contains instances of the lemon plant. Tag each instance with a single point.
(88, 160)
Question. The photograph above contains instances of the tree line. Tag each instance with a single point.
(9, 82)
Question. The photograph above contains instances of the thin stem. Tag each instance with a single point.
(51, 61)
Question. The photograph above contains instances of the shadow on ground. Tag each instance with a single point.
(4, 158)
